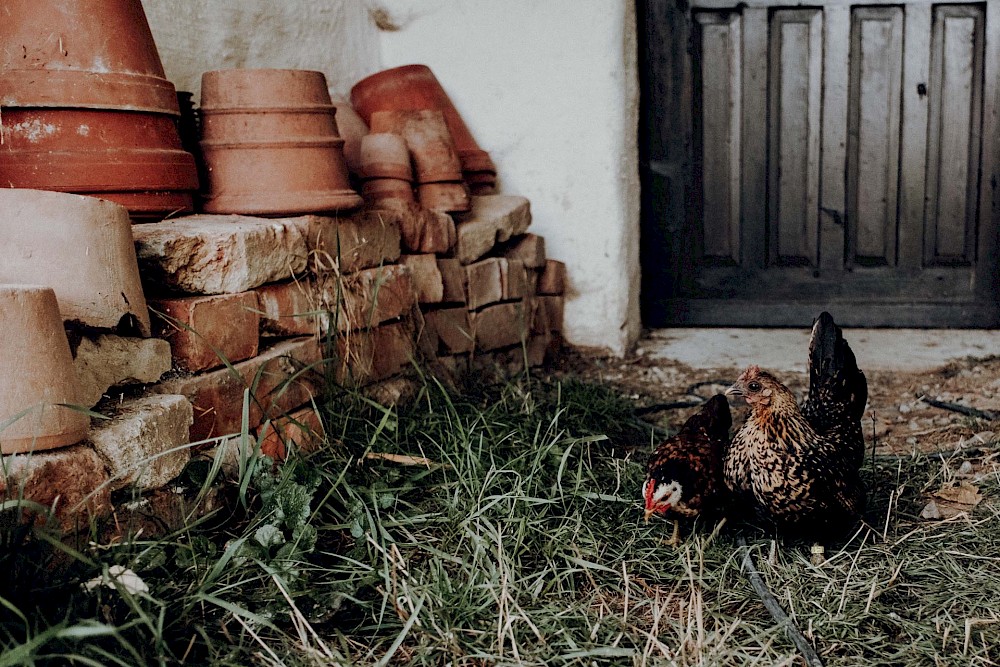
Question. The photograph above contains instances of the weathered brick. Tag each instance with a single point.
(72, 480)
(493, 218)
(484, 282)
(368, 356)
(370, 297)
(448, 331)
(499, 326)
(144, 442)
(529, 249)
(452, 280)
(552, 281)
(514, 278)
(425, 276)
(421, 230)
(218, 254)
(362, 240)
(280, 378)
(206, 331)
(292, 308)
(538, 348)
(394, 391)
(553, 306)
(302, 428)
(107, 361)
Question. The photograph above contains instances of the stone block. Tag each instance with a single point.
(421, 230)
(206, 331)
(529, 249)
(552, 281)
(144, 442)
(302, 429)
(498, 326)
(292, 308)
(452, 280)
(73, 481)
(108, 361)
(484, 282)
(370, 297)
(282, 377)
(553, 306)
(514, 278)
(425, 276)
(493, 218)
(364, 357)
(362, 240)
(218, 254)
(448, 331)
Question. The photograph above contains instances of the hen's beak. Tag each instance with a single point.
(734, 390)
(647, 514)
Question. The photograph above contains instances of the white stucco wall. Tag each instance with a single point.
(336, 37)
(549, 88)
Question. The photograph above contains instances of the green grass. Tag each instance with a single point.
(511, 536)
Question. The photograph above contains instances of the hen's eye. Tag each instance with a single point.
(753, 386)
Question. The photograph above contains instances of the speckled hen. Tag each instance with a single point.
(800, 467)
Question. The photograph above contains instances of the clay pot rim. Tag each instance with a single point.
(318, 142)
(388, 74)
(283, 203)
(264, 109)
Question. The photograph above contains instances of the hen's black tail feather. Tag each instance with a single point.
(714, 417)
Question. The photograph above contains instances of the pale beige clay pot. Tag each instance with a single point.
(79, 246)
(385, 155)
(435, 159)
(270, 144)
(377, 189)
(36, 374)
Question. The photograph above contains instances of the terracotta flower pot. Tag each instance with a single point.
(94, 54)
(429, 141)
(481, 182)
(82, 248)
(385, 155)
(352, 128)
(129, 157)
(378, 189)
(447, 197)
(36, 374)
(270, 144)
(412, 88)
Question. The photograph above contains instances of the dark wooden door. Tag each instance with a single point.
(838, 157)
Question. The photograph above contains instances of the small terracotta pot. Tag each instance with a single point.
(270, 144)
(94, 54)
(352, 128)
(448, 197)
(412, 88)
(385, 155)
(82, 248)
(133, 158)
(429, 141)
(377, 189)
(36, 374)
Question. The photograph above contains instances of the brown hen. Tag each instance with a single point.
(684, 474)
(800, 467)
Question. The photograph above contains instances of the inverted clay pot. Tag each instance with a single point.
(385, 155)
(36, 373)
(79, 246)
(429, 140)
(447, 197)
(412, 88)
(129, 157)
(351, 128)
(94, 54)
(270, 144)
(377, 189)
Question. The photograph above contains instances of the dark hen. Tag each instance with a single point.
(800, 467)
(684, 474)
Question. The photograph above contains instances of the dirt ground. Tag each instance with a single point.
(897, 419)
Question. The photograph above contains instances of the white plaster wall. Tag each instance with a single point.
(549, 88)
(336, 37)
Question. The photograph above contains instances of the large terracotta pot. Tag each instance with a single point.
(413, 88)
(270, 144)
(94, 54)
(428, 139)
(36, 374)
(129, 157)
(79, 246)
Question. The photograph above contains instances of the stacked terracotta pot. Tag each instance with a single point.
(271, 145)
(86, 107)
(384, 168)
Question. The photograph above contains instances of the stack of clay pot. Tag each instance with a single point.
(271, 145)
(86, 107)
(415, 88)
(384, 168)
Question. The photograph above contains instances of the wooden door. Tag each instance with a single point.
(838, 157)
